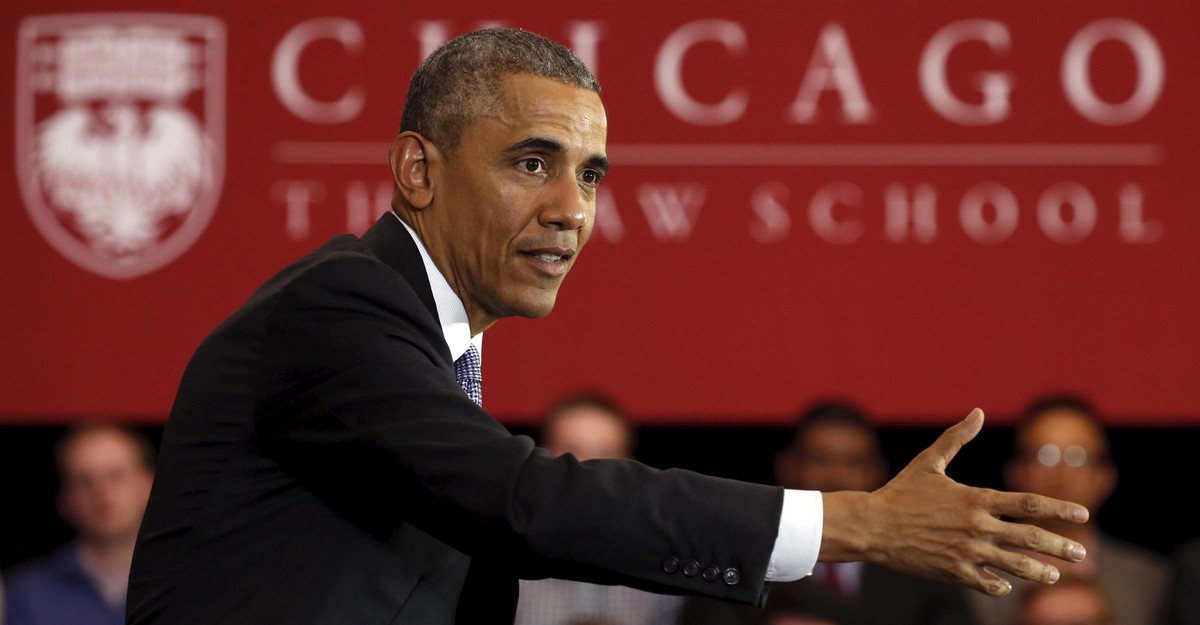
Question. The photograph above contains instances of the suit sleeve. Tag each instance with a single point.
(358, 399)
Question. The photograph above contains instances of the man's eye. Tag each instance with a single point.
(590, 177)
(533, 165)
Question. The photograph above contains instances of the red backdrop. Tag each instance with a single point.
(924, 208)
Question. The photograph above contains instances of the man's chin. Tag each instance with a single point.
(529, 302)
(536, 307)
(536, 312)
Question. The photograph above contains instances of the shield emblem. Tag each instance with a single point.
(120, 134)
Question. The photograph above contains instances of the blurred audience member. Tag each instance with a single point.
(1071, 601)
(835, 448)
(1182, 603)
(105, 473)
(589, 426)
(1061, 450)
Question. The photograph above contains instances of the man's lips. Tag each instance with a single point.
(550, 254)
(550, 260)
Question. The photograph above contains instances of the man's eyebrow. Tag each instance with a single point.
(550, 146)
(538, 143)
(597, 161)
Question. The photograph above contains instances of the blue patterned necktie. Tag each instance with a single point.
(468, 372)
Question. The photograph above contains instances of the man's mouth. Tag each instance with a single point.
(550, 258)
(550, 254)
(551, 261)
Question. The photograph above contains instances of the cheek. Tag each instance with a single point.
(498, 217)
(73, 506)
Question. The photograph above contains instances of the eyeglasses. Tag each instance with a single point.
(1072, 456)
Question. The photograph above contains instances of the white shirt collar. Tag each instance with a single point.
(456, 326)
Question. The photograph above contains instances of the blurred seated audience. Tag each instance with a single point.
(589, 425)
(1071, 601)
(105, 473)
(1182, 603)
(835, 448)
(1061, 450)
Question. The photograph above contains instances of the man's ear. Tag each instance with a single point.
(410, 157)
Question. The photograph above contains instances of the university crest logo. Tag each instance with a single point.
(120, 134)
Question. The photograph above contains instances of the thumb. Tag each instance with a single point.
(943, 450)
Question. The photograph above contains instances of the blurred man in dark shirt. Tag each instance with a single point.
(105, 475)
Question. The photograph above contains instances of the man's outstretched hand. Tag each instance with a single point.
(924, 523)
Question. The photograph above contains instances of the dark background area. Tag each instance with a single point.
(1157, 474)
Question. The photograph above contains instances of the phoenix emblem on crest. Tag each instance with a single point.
(120, 171)
(120, 139)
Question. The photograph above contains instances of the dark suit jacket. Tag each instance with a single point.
(884, 596)
(321, 465)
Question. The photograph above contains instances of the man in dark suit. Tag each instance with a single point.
(835, 448)
(327, 460)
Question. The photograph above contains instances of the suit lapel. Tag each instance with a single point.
(392, 245)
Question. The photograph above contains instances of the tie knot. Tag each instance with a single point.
(469, 373)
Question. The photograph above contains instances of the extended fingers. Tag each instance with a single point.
(1006, 537)
(1022, 566)
(1033, 538)
(1030, 506)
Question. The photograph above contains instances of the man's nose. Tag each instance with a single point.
(567, 206)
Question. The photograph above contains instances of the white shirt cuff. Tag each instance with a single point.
(799, 539)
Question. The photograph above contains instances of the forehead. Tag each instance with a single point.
(839, 434)
(1063, 427)
(585, 415)
(585, 421)
(101, 446)
(534, 106)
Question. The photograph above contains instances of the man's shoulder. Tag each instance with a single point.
(41, 574)
(1133, 560)
(343, 268)
(1127, 553)
(343, 256)
(320, 309)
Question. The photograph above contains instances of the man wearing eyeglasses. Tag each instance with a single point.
(1060, 449)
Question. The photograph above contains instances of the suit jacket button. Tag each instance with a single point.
(691, 568)
(711, 573)
(670, 565)
(732, 576)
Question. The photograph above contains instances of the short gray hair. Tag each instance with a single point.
(461, 80)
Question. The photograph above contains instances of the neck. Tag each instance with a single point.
(477, 315)
(107, 563)
(110, 555)
(480, 321)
